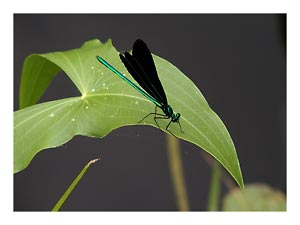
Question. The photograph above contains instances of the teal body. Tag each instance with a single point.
(128, 81)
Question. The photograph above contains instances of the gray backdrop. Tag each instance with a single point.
(237, 61)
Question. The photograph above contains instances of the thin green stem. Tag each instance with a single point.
(177, 173)
(214, 190)
(65, 196)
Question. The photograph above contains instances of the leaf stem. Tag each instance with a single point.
(214, 190)
(64, 197)
(227, 181)
(177, 173)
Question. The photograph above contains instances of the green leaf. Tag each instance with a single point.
(37, 74)
(255, 197)
(107, 103)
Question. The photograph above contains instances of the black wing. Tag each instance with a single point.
(142, 68)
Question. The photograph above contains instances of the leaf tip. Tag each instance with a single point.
(93, 161)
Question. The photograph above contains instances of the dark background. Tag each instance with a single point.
(237, 61)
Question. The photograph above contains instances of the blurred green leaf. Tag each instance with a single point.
(107, 103)
(255, 197)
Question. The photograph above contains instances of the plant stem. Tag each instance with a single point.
(214, 190)
(64, 197)
(177, 173)
(224, 176)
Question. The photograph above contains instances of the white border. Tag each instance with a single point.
(154, 6)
